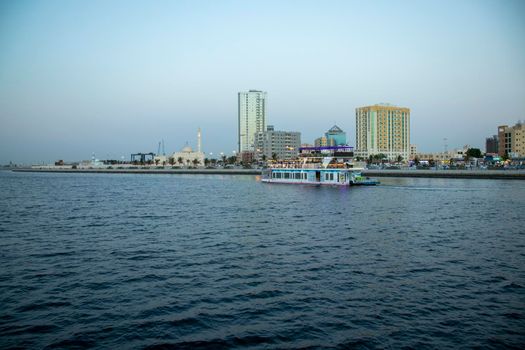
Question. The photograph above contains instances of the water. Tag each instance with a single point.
(161, 261)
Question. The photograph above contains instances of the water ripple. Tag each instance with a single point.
(175, 262)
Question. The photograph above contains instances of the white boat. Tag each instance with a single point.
(315, 169)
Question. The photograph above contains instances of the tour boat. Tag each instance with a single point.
(318, 169)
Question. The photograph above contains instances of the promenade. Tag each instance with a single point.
(467, 174)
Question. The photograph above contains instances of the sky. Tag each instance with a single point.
(116, 77)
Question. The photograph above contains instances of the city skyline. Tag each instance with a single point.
(118, 77)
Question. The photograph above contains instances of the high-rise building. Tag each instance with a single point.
(511, 140)
(252, 118)
(284, 144)
(491, 144)
(383, 128)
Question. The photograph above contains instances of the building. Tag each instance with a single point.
(336, 136)
(187, 156)
(333, 137)
(511, 141)
(444, 157)
(284, 144)
(383, 128)
(413, 151)
(491, 144)
(323, 141)
(252, 118)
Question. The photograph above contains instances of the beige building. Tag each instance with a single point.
(323, 142)
(444, 157)
(413, 151)
(383, 128)
(511, 140)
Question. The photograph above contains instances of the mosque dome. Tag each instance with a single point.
(187, 149)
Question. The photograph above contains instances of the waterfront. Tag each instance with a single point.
(513, 174)
(133, 261)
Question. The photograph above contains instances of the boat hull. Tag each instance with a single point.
(317, 176)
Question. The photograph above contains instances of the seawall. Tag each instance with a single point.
(453, 174)
(145, 171)
(456, 174)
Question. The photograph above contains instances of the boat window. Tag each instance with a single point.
(286, 175)
(297, 176)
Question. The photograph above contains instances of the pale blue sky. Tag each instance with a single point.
(115, 77)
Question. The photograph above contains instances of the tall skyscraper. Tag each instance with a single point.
(252, 118)
(383, 128)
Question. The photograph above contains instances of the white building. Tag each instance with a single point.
(457, 154)
(252, 118)
(187, 156)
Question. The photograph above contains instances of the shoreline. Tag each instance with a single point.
(451, 174)
(145, 171)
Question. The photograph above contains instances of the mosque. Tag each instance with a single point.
(186, 156)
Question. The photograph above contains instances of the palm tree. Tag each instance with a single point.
(399, 158)
(195, 162)
(381, 157)
(180, 160)
(274, 156)
(206, 161)
(171, 160)
(263, 157)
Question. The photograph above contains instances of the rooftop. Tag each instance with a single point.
(335, 128)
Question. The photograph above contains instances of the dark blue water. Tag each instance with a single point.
(161, 261)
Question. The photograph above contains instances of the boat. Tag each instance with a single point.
(319, 166)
